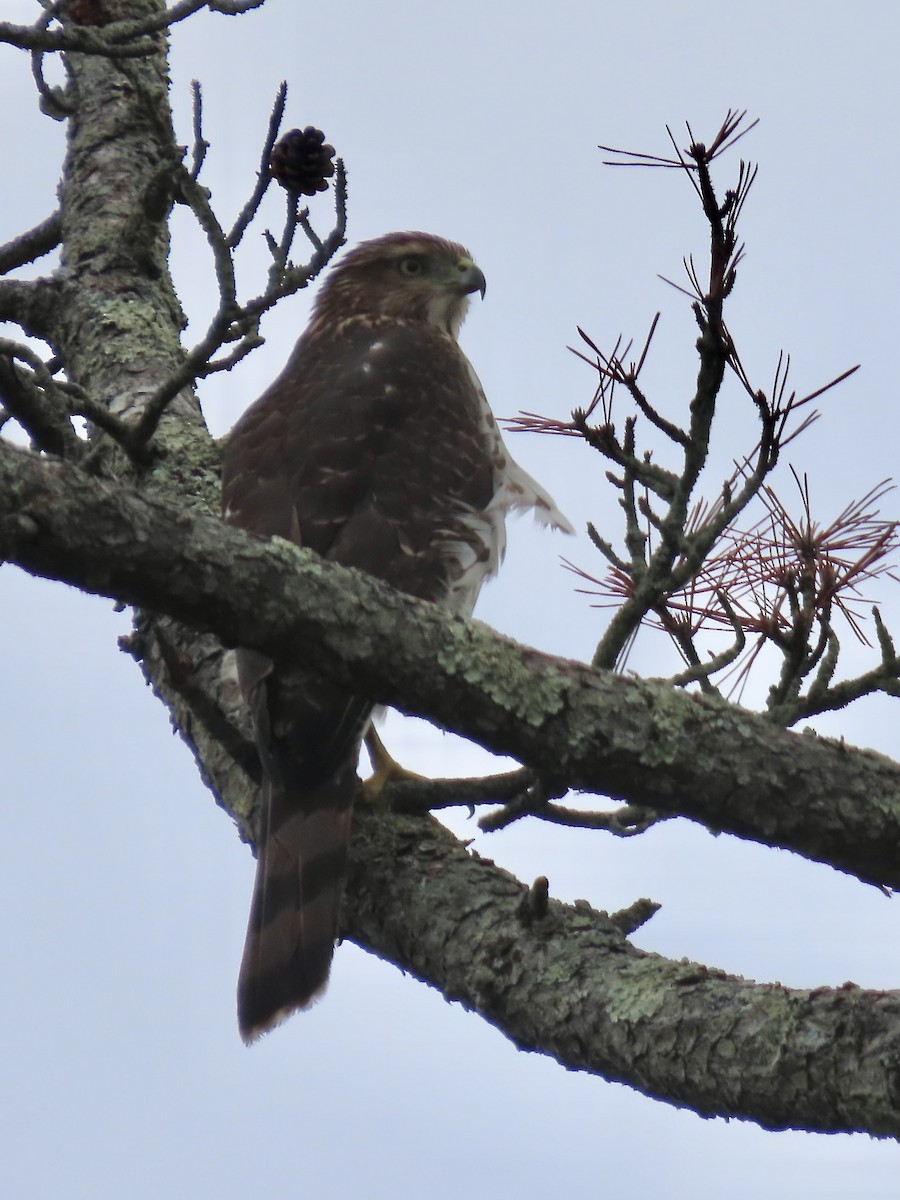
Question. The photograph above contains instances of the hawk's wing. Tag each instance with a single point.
(372, 448)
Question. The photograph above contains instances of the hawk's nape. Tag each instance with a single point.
(376, 449)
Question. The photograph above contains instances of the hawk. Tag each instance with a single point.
(375, 448)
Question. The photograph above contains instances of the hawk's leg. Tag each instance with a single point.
(385, 768)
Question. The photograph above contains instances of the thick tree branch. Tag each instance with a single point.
(640, 742)
(675, 1030)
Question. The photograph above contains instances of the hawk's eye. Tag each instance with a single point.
(411, 265)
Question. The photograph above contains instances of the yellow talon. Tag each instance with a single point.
(385, 768)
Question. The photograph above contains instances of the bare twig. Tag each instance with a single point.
(233, 322)
(31, 245)
(263, 178)
(54, 100)
(431, 795)
(628, 821)
(36, 403)
(724, 140)
(630, 919)
(201, 145)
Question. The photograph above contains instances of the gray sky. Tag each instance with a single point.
(125, 889)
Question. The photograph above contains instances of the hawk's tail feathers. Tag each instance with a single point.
(296, 901)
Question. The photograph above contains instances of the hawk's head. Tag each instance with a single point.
(402, 276)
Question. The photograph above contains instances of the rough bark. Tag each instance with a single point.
(570, 985)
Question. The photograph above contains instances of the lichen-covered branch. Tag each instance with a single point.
(32, 244)
(32, 304)
(640, 742)
(570, 985)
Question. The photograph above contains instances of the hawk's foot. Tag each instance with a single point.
(385, 768)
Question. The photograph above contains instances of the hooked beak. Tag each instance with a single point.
(471, 278)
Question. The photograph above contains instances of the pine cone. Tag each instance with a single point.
(302, 161)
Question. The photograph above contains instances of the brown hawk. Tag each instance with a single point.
(375, 448)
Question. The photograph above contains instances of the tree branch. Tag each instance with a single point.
(33, 244)
(35, 401)
(677, 1031)
(118, 38)
(639, 742)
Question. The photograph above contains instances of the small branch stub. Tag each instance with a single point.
(535, 902)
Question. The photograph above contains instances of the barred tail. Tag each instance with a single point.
(296, 900)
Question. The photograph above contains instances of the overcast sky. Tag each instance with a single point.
(125, 889)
